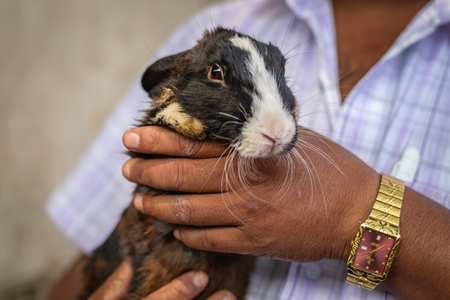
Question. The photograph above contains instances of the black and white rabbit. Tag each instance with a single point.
(230, 88)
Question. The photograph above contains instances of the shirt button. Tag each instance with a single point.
(312, 271)
(405, 169)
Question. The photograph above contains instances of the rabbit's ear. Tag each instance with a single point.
(159, 72)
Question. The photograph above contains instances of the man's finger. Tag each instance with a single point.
(222, 295)
(116, 285)
(216, 239)
(180, 175)
(158, 140)
(191, 209)
(184, 287)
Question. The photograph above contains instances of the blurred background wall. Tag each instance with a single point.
(64, 65)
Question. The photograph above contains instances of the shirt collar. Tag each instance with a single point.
(318, 14)
(431, 17)
(441, 8)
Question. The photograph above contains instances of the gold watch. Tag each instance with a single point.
(376, 242)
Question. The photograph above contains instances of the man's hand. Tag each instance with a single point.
(302, 207)
(185, 287)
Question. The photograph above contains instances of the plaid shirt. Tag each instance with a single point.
(397, 119)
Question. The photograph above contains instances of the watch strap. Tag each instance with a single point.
(385, 214)
(385, 218)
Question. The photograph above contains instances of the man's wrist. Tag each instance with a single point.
(360, 198)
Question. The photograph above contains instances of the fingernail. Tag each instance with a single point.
(138, 202)
(126, 170)
(176, 234)
(131, 140)
(200, 279)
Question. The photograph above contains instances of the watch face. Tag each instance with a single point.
(373, 251)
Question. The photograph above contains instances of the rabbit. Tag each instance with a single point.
(230, 88)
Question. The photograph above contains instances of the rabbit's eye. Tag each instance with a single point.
(215, 73)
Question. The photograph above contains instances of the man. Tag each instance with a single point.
(371, 76)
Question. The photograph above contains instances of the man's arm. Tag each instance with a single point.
(69, 286)
(422, 265)
(317, 217)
